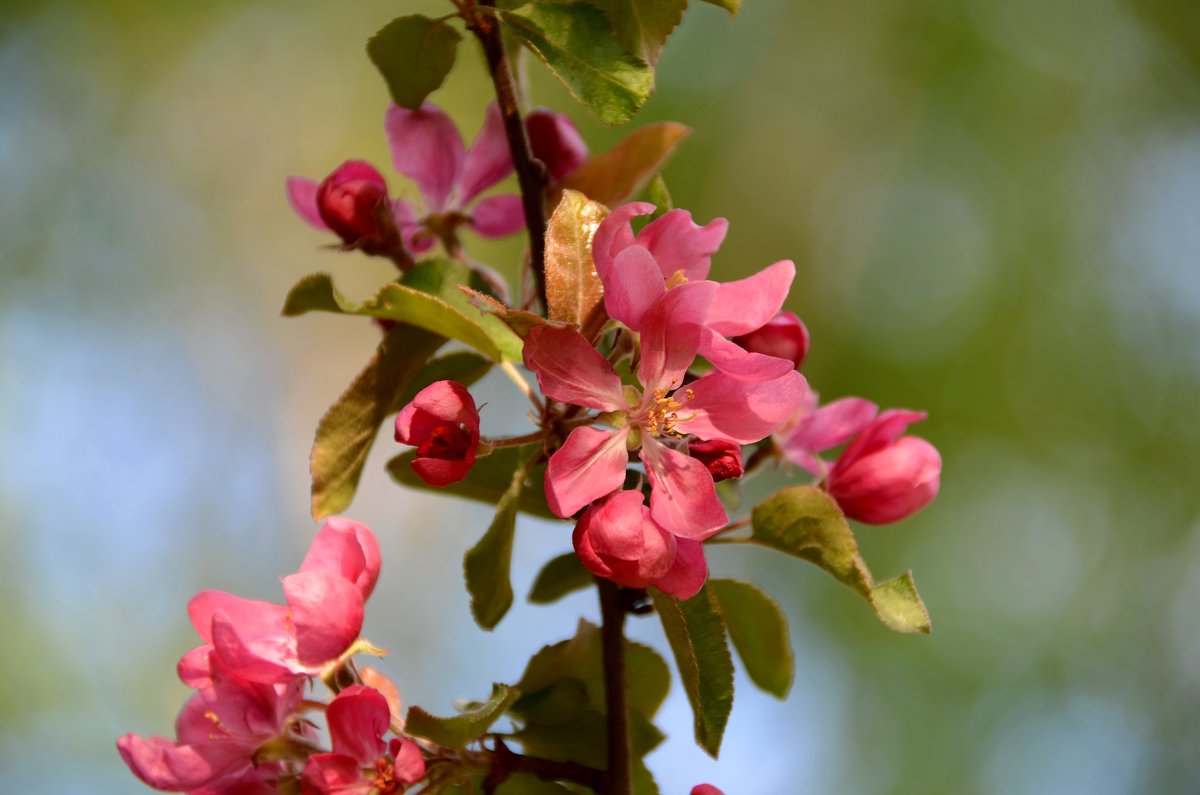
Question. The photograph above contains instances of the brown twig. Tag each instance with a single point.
(505, 762)
(612, 638)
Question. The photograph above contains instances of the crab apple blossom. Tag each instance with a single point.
(443, 424)
(783, 336)
(556, 142)
(815, 429)
(884, 476)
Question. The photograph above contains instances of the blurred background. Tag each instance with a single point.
(994, 212)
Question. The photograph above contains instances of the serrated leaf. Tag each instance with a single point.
(732, 6)
(622, 171)
(576, 43)
(573, 288)
(561, 576)
(759, 631)
(428, 297)
(487, 480)
(486, 565)
(806, 522)
(696, 632)
(414, 54)
(642, 26)
(459, 730)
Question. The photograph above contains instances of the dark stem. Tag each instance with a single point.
(612, 637)
(505, 762)
(531, 174)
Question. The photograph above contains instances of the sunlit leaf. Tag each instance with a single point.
(622, 171)
(576, 43)
(487, 481)
(759, 631)
(561, 576)
(459, 730)
(732, 6)
(414, 54)
(806, 522)
(642, 26)
(573, 288)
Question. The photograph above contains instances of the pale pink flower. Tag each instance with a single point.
(883, 476)
(443, 424)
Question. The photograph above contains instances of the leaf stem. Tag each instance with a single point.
(515, 376)
(531, 174)
(612, 637)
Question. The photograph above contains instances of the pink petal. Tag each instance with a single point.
(615, 235)
(409, 765)
(358, 718)
(166, 765)
(748, 304)
(631, 286)
(195, 669)
(332, 774)
(569, 369)
(590, 465)
(679, 245)
(883, 430)
(555, 140)
(706, 789)
(440, 404)
(671, 334)
(426, 148)
(266, 658)
(687, 574)
(327, 612)
(683, 498)
(441, 471)
(617, 539)
(302, 195)
(617, 526)
(251, 616)
(731, 359)
(723, 407)
(498, 216)
(416, 238)
(784, 335)
(828, 426)
(488, 160)
(348, 549)
(890, 484)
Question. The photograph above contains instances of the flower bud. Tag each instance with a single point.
(882, 476)
(617, 539)
(555, 141)
(722, 457)
(353, 202)
(706, 789)
(443, 424)
(784, 336)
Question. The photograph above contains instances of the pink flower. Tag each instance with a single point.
(813, 430)
(672, 250)
(443, 424)
(427, 148)
(883, 476)
(556, 142)
(361, 761)
(722, 457)
(269, 643)
(783, 336)
(591, 463)
(706, 789)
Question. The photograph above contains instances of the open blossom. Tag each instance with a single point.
(883, 476)
(591, 463)
(814, 429)
(270, 643)
(672, 250)
(443, 424)
(361, 760)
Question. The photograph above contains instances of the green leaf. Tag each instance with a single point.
(696, 632)
(658, 195)
(619, 173)
(428, 298)
(414, 54)
(642, 26)
(759, 631)
(732, 6)
(487, 481)
(459, 730)
(573, 288)
(348, 429)
(487, 564)
(561, 576)
(806, 522)
(576, 43)
(528, 784)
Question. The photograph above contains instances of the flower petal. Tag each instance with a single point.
(615, 235)
(826, 427)
(498, 216)
(890, 484)
(748, 304)
(252, 617)
(358, 718)
(166, 765)
(409, 765)
(725, 407)
(683, 498)
(687, 574)
(331, 774)
(883, 430)
(671, 334)
(302, 195)
(426, 148)
(555, 140)
(631, 286)
(348, 549)
(589, 465)
(731, 359)
(327, 612)
(569, 369)
(487, 161)
(679, 245)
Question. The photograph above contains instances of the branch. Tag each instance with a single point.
(612, 636)
(531, 174)
(505, 763)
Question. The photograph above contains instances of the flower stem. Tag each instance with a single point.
(515, 376)
(612, 638)
(531, 174)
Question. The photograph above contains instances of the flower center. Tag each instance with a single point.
(447, 442)
(384, 782)
(663, 414)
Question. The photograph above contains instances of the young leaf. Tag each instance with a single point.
(642, 26)
(414, 54)
(619, 173)
(696, 632)
(573, 289)
(459, 730)
(486, 565)
(658, 195)
(487, 481)
(806, 522)
(561, 576)
(576, 43)
(759, 631)
(732, 6)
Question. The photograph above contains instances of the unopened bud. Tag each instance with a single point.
(721, 457)
(784, 336)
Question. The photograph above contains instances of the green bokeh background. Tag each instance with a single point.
(993, 208)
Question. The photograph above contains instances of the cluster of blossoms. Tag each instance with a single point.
(694, 371)
(246, 729)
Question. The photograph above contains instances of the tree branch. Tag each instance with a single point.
(505, 762)
(612, 637)
(531, 174)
